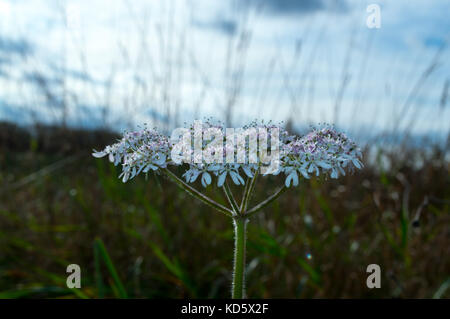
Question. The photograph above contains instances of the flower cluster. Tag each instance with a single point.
(323, 150)
(138, 151)
(208, 149)
(223, 152)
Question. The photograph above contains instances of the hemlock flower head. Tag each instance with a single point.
(210, 151)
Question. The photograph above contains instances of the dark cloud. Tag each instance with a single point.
(11, 112)
(434, 42)
(274, 7)
(291, 7)
(15, 46)
(41, 80)
(225, 26)
(158, 116)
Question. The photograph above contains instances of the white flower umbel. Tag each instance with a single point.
(212, 153)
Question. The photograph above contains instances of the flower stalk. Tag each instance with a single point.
(240, 229)
(231, 199)
(195, 193)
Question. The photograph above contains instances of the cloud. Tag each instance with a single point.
(225, 26)
(15, 46)
(294, 7)
(434, 42)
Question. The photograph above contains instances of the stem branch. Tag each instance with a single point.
(230, 197)
(265, 203)
(192, 191)
(248, 191)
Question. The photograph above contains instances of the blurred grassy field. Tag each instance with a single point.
(146, 239)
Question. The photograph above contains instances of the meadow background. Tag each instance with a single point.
(73, 76)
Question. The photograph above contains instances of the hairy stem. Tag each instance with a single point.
(265, 202)
(192, 191)
(240, 227)
(249, 187)
(230, 197)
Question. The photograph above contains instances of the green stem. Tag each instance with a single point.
(231, 199)
(248, 191)
(265, 202)
(240, 227)
(192, 191)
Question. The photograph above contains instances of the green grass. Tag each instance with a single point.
(146, 239)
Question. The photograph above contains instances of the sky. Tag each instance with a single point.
(123, 63)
